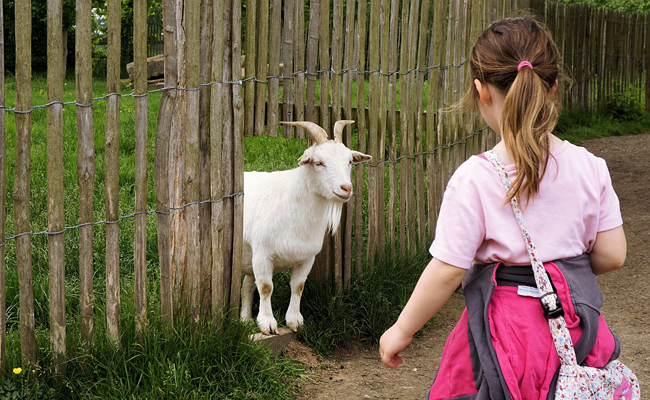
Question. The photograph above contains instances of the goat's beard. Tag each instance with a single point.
(334, 210)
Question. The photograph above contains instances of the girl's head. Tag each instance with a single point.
(501, 60)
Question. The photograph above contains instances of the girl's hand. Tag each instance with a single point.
(391, 343)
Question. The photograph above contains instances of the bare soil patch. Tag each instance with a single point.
(359, 374)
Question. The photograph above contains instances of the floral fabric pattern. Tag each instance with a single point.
(614, 381)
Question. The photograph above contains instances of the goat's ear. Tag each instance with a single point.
(305, 158)
(360, 157)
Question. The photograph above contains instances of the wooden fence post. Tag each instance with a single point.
(56, 221)
(161, 166)
(141, 176)
(217, 92)
(86, 176)
(191, 174)
(359, 171)
(205, 231)
(112, 145)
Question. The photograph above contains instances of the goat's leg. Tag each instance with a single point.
(263, 269)
(247, 297)
(299, 275)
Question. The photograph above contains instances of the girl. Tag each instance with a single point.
(502, 347)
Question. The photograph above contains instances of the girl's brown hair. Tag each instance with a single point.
(532, 107)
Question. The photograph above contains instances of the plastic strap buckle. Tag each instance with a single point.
(552, 314)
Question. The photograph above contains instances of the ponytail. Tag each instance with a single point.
(529, 116)
(519, 58)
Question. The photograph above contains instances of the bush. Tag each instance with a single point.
(625, 105)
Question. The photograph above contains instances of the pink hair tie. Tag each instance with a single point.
(524, 64)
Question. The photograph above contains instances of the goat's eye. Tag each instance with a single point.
(319, 164)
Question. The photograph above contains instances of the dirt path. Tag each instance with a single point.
(360, 375)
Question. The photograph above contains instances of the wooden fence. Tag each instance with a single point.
(389, 65)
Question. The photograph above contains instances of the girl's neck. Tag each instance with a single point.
(500, 149)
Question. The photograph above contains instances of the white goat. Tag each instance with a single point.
(286, 216)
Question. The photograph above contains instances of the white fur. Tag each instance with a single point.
(286, 217)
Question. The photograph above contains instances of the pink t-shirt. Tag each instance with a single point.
(576, 200)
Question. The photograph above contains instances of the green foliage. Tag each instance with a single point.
(577, 126)
(621, 5)
(626, 104)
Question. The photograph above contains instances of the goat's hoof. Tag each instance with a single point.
(295, 323)
(268, 326)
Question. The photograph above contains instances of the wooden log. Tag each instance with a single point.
(217, 92)
(112, 167)
(205, 231)
(238, 164)
(251, 57)
(86, 177)
(3, 200)
(161, 166)
(55, 210)
(360, 40)
(141, 176)
(191, 173)
(274, 69)
(287, 65)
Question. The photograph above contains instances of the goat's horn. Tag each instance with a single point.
(338, 129)
(317, 133)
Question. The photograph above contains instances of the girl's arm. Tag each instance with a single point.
(609, 251)
(436, 285)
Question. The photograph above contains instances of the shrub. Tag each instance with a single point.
(625, 105)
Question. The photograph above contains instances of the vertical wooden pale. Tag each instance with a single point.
(86, 175)
(286, 57)
(161, 166)
(193, 56)
(262, 66)
(403, 128)
(112, 146)
(312, 60)
(205, 231)
(56, 254)
(391, 124)
(251, 56)
(361, 128)
(238, 162)
(337, 63)
(374, 94)
(299, 65)
(325, 65)
(347, 64)
(141, 176)
(273, 104)
(420, 125)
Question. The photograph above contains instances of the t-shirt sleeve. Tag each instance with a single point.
(460, 229)
(610, 208)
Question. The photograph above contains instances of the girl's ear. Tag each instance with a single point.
(483, 92)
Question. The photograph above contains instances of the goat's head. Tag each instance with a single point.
(330, 161)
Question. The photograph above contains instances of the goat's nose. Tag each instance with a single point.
(347, 188)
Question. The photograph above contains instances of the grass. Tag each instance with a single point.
(213, 361)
